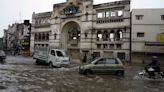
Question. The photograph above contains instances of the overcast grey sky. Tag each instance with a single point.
(14, 10)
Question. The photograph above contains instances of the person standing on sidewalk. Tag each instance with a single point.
(85, 58)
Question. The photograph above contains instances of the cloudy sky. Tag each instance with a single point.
(15, 10)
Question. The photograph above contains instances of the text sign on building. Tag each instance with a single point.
(160, 37)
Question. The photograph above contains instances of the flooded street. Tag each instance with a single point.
(22, 75)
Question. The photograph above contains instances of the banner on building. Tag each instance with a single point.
(160, 37)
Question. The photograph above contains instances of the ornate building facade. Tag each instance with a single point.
(80, 27)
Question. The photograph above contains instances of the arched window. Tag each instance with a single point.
(105, 36)
(69, 35)
(39, 21)
(55, 36)
(86, 35)
(74, 34)
(43, 36)
(119, 35)
(36, 22)
(112, 35)
(79, 35)
(47, 36)
(99, 35)
(70, 9)
(36, 37)
(39, 37)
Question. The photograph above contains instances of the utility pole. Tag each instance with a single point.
(130, 39)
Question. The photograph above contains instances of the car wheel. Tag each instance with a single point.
(87, 72)
(120, 73)
(50, 64)
(37, 61)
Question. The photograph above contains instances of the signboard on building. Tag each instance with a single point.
(160, 37)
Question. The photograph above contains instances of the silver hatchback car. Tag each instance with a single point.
(103, 66)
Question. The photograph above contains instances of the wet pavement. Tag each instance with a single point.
(21, 74)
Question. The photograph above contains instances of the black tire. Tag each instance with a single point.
(87, 72)
(51, 64)
(37, 62)
(120, 73)
(2, 62)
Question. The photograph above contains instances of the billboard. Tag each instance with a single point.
(160, 37)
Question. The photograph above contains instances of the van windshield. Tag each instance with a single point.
(60, 54)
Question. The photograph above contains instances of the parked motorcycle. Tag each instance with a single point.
(2, 60)
(2, 57)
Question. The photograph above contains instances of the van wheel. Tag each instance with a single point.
(2, 61)
(120, 73)
(50, 64)
(87, 72)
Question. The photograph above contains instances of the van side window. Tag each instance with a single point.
(59, 53)
(53, 52)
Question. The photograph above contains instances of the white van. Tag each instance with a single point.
(53, 57)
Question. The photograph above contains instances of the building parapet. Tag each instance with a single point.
(116, 3)
(42, 25)
(43, 15)
(59, 5)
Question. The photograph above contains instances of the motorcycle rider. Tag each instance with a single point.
(153, 67)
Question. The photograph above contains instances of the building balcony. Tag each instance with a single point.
(41, 25)
(101, 21)
(108, 41)
(41, 41)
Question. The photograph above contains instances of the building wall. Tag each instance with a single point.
(152, 26)
(16, 37)
(151, 16)
(83, 17)
(11, 36)
(41, 30)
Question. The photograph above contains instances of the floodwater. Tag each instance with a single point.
(22, 75)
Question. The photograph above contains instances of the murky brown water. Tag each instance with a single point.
(24, 77)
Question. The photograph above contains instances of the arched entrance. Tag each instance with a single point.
(71, 39)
